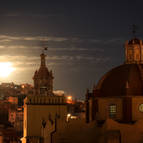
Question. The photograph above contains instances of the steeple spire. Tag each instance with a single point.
(43, 62)
(43, 78)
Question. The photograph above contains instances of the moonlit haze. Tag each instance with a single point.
(6, 69)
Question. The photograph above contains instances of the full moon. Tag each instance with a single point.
(6, 69)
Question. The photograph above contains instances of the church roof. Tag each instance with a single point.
(43, 72)
(114, 83)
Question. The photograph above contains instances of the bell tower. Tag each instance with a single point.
(43, 111)
(43, 79)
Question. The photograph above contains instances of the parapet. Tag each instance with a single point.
(45, 100)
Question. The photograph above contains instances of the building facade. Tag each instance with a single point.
(43, 108)
(119, 93)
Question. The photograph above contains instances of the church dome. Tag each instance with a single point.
(120, 80)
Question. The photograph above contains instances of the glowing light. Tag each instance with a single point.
(68, 115)
(6, 69)
(73, 117)
(69, 97)
(23, 86)
(69, 100)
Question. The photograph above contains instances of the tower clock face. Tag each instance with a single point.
(141, 107)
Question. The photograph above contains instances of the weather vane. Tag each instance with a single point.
(44, 46)
(44, 49)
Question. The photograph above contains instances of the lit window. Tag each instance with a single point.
(112, 111)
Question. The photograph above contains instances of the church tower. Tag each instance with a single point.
(43, 110)
(43, 79)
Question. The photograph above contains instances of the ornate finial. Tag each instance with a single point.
(43, 55)
(43, 62)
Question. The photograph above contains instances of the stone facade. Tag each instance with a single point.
(43, 108)
(119, 93)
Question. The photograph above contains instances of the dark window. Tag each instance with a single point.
(43, 90)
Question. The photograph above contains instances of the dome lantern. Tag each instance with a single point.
(134, 51)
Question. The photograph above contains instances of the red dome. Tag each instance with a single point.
(114, 82)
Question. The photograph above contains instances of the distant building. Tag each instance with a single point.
(43, 108)
(12, 99)
(26, 89)
(119, 93)
(8, 134)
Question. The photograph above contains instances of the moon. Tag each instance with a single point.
(6, 69)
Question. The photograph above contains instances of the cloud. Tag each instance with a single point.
(59, 92)
(54, 49)
(106, 41)
(95, 40)
(32, 38)
(33, 62)
(76, 49)
(42, 38)
(7, 38)
(13, 47)
(27, 14)
(23, 52)
(113, 40)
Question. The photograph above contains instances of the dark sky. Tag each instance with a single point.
(85, 38)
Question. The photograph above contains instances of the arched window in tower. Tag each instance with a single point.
(43, 90)
(112, 110)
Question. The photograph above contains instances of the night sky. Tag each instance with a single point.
(85, 38)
